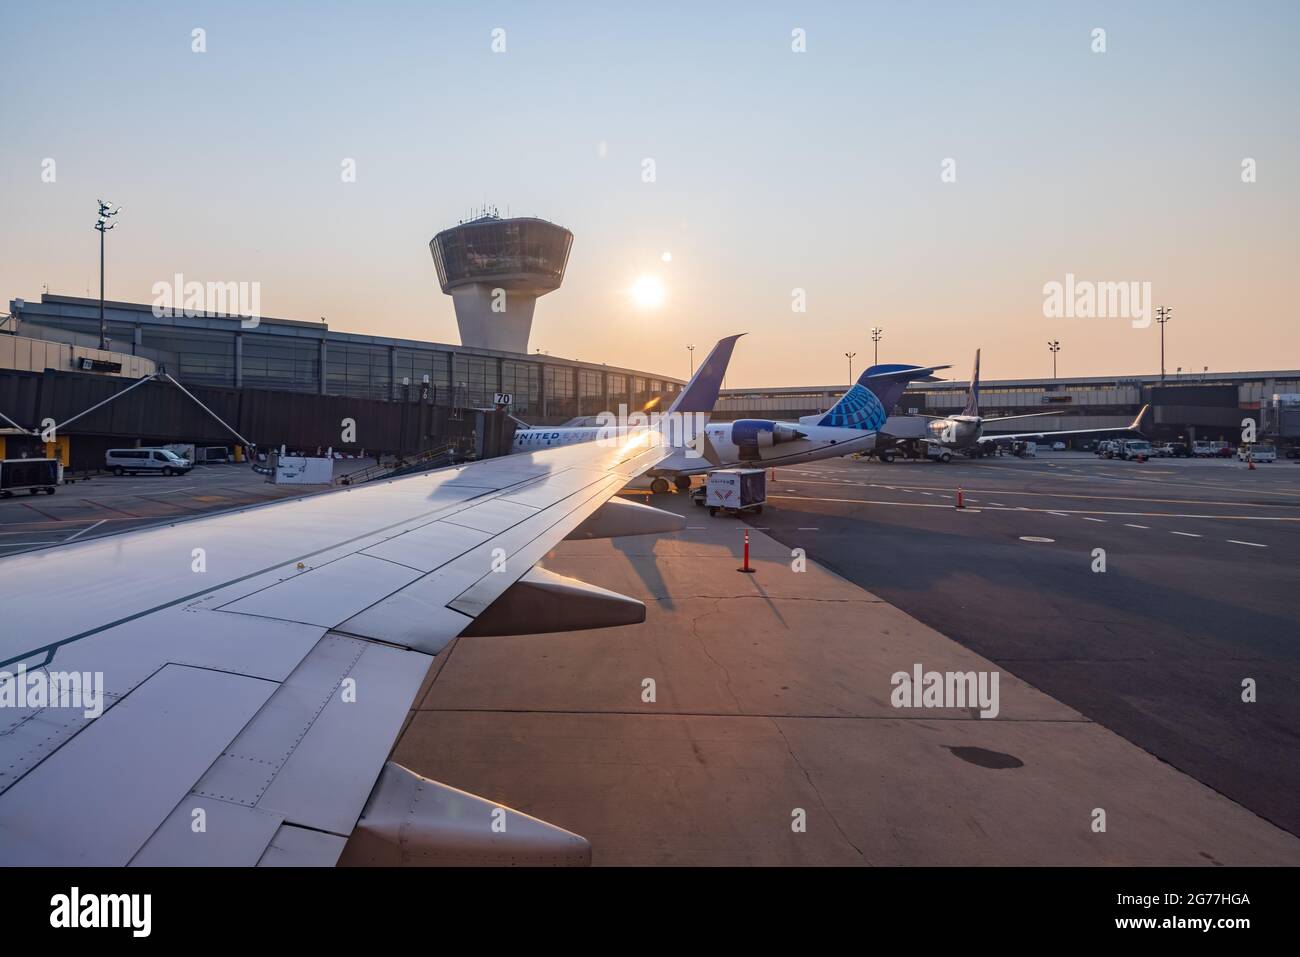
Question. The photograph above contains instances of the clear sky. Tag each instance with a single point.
(775, 170)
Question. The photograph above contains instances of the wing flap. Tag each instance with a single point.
(99, 798)
(202, 832)
(312, 753)
(300, 847)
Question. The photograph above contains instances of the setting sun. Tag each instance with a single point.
(648, 292)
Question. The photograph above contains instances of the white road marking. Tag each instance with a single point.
(1186, 534)
(1088, 518)
(1035, 538)
(998, 504)
(1062, 514)
(1251, 544)
(86, 529)
(805, 528)
(1144, 527)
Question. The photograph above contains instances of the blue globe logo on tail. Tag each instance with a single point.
(859, 408)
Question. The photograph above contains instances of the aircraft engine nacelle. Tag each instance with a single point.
(750, 435)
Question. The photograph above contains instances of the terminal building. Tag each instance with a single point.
(1184, 407)
(285, 381)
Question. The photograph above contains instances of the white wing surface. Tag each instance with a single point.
(257, 665)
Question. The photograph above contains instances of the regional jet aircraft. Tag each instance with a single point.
(965, 432)
(256, 666)
(851, 425)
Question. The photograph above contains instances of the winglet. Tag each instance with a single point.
(701, 393)
(1137, 422)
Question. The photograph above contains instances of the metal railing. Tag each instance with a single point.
(404, 465)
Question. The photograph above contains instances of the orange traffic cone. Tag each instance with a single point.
(961, 501)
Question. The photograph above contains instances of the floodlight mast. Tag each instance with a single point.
(106, 212)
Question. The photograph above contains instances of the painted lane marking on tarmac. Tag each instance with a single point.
(1140, 480)
(1186, 534)
(1089, 518)
(1066, 514)
(84, 530)
(1104, 498)
(1251, 544)
(1130, 525)
(1035, 538)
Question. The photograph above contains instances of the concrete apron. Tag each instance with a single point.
(773, 702)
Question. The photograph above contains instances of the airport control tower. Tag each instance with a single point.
(494, 269)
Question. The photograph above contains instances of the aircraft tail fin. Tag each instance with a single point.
(973, 390)
(888, 382)
(867, 403)
(701, 393)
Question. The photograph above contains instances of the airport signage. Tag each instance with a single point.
(503, 398)
(87, 364)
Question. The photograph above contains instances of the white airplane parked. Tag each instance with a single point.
(696, 400)
(965, 431)
(252, 669)
(851, 425)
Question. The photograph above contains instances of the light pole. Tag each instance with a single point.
(1163, 315)
(1054, 346)
(105, 214)
(876, 336)
(691, 350)
(849, 356)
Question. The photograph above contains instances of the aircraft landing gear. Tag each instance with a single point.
(683, 483)
(659, 486)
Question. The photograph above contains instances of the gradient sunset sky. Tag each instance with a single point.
(776, 170)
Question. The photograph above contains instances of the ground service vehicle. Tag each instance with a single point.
(736, 490)
(134, 461)
(1130, 449)
(1257, 453)
(30, 475)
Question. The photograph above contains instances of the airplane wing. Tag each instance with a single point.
(256, 667)
(1027, 415)
(1134, 426)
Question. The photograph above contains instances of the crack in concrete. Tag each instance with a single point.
(816, 790)
(726, 675)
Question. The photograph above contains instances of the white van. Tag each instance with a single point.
(163, 461)
(1257, 453)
